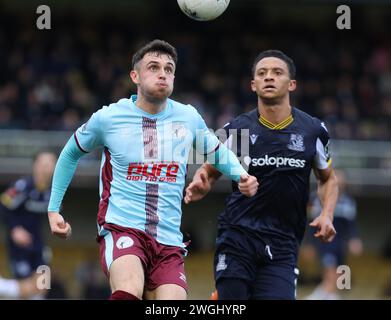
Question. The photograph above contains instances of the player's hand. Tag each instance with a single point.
(21, 237)
(326, 231)
(58, 226)
(248, 185)
(198, 188)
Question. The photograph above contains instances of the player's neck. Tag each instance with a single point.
(152, 107)
(275, 113)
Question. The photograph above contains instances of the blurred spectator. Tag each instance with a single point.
(23, 206)
(334, 254)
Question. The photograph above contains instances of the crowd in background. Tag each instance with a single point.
(55, 80)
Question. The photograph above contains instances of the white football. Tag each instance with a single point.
(203, 10)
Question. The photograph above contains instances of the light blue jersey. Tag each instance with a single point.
(144, 163)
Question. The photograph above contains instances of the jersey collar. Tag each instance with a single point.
(279, 126)
(162, 113)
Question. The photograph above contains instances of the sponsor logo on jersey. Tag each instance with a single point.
(253, 138)
(159, 171)
(296, 142)
(274, 161)
(269, 252)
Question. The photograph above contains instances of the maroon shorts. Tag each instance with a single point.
(162, 264)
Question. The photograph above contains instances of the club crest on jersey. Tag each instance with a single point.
(253, 138)
(296, 142)
(178, 130)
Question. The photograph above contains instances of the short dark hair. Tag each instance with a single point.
(159, 46)
(276, 54)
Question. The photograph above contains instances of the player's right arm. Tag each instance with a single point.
(85, 139)
(203, 181)
(63, 174)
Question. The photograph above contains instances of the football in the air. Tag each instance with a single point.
(203, 10)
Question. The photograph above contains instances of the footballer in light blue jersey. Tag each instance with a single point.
(144, 162)
(146, 143)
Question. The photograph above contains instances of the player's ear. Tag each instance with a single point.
(134, 76)
(253, 87)
(292, 85)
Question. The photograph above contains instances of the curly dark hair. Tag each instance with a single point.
(159, 46)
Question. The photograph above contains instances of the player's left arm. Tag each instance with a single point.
(328, 195)
(327, 188)
(221, 160)
(224, 162)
